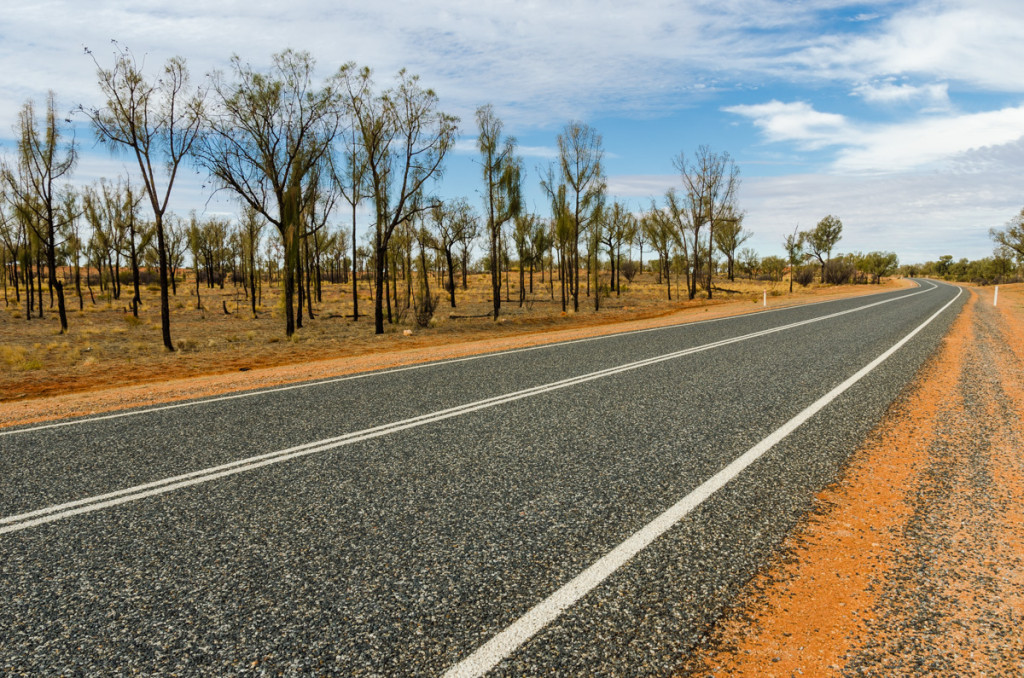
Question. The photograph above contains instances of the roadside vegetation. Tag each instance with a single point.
(340, 221)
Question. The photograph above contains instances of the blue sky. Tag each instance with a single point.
(905, 119)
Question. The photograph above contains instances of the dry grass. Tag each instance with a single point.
(106, 346)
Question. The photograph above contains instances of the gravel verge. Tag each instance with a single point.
(912, 563)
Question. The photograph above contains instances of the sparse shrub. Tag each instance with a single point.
(838, 272)
(629, 269)
(425, 309)
(804, 275)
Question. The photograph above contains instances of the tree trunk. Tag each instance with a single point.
(668, 277)
(136, 297)
(56, 284)
(309, 284)
(355, 269)
(451, 275)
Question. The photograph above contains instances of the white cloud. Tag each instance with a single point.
(936, 95)
(928, 141)
(884, 147)
(797, 122)
(976, 42)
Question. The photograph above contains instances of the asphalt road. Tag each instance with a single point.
(402, 520)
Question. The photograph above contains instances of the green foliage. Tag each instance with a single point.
(774, 267)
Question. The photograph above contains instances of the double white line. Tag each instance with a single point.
(56, 512)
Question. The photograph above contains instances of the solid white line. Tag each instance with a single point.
(394, 370)
(56, 512)
(511, 638)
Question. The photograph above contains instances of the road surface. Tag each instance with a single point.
(580, 508)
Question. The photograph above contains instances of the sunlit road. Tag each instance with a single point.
(571, 509)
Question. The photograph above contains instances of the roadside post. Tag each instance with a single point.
(995, 297)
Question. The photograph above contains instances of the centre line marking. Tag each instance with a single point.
(49, 514)
(488, 655)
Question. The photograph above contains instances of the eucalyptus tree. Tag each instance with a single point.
(794, 245)
(540, 244)
(526, 227)
(468, 234)
(101, 203)
(453, 221)
(264, 136)
(176, 242)
(405, 140)
(580, 161)
(879, 264)
(127, 216)
(680, 223)
(351, 181)
(319, 197)
(1011, 236)
(729, 236)
(158, 121)
(823, 239)
(710, 180)
(639, 239)
(620, 228)
(659, 227)
(503, 175)
(749, 260)
(563, 234)
(44, 160)
(10, 238)
(251, 230)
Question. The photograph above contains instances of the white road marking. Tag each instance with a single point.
(511, 638)
(56, 512)
(394, 370)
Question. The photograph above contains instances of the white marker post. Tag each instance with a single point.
(995, 297)
(766, 298)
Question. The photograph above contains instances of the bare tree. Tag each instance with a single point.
(580, 159)
(251, 229)
(265, 136)
(177, 242)
(453, 221)
(158, 121)
(710, 180)
(620, 228)
(352, 184)
(43, 161)
(502, 172)
(661, 233)
(405, 140)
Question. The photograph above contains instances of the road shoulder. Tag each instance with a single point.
(912, 562)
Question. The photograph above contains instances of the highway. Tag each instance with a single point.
(580, 508)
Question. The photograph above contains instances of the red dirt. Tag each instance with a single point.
(108, 362)
(912, 563)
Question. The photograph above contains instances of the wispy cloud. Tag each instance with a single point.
(976, 42)
(934, 95)
(796, 121)
(884, 147)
